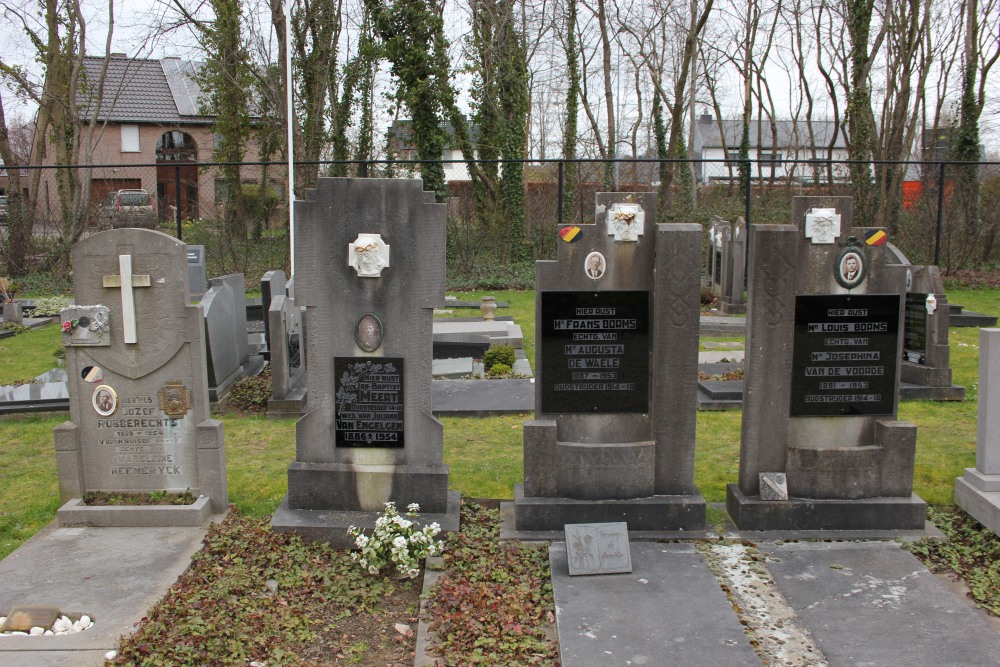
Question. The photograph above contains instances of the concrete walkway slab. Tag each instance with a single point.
(114, 575)
(669, 611)
(872, 603)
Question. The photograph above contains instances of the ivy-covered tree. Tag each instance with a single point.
(570, 128)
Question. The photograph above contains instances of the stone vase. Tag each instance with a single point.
(488, 307)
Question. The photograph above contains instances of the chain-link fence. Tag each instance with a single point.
(237, 209)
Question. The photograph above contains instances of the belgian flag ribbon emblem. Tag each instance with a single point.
(877, 237)
(571, 233)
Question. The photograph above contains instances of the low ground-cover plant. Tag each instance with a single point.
(250, 395)
(254, 595)
(494, 606)
(970, 551)
(106, 499)
(50, 306)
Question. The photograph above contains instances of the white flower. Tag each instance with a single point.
(361, 541)
(413, 507)
(435, 528)
(372, 569)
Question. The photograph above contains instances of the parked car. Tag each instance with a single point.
(127, 208)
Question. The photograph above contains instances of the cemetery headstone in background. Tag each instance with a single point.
(197, 276)
(978, 490)
(222, 338)
(824, 342)
(135, 360)
(370, 266)
(272, 284)
(616, 372)
(726, 263)
(288, 359)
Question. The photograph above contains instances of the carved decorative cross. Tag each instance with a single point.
(126, 281)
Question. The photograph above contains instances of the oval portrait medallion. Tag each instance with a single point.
(105, 400)
(851, 267)
(368, 334)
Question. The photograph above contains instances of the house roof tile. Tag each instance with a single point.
(138, 90)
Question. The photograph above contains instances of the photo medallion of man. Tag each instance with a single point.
(595, 265)
(851, 267)
(104, 400)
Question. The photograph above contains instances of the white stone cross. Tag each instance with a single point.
(126, 281)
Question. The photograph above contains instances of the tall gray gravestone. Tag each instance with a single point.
(222, 339)
(821, 379)
(272, 284)
(135, 360)
(978, 490)
(616, 375)
(726, 263)
(197, 282)
(926, 369)
(288, 359)
(370, 266)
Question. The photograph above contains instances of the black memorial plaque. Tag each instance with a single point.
(844, 358)
(595, 352)
(915, 328)
(369, 401)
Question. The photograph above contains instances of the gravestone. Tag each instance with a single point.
(369, 259)
(137, 380)
(272, 284)
(732, 300)
(926, 369)
(714, 258)
(250, 359)
(978, 490)
(821, 376)
(616, 376)
(288, 359)
(221, 340)
(196, 271)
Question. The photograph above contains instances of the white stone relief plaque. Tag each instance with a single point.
(822, 225)
(626, 222)
(368, 255)
(597, 548)
(86, 326)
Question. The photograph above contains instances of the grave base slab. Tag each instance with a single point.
(76, 513)
(979, 495)
(752, 513)
(331, 526)
(680, 512)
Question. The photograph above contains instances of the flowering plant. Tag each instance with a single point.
(69, 325)
(396, 540)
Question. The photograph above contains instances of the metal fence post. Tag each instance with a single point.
(940, 215)
(746, 196)
(559, 196)
(177, 200)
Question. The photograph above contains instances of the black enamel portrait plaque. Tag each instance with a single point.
(595, 352)
(368, 407)
(844, 357)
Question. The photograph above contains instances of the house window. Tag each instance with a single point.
(130, 139)
(771, 156)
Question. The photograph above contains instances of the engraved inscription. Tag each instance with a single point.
(369, 402)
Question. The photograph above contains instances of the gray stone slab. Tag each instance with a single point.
(483, 397)
(872, 603)
(452, 368)
(668, 611)
(501, 333)
(722, 326)
(111, 574)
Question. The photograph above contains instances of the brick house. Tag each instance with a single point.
(150, 135)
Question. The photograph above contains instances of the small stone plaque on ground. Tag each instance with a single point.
(25, 617)
(598, 548)
(773, 486)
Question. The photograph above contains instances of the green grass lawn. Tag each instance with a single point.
(484, 454)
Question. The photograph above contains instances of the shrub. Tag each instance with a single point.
(502, 354)
(396, 541)
(499, 371)
(49, 306)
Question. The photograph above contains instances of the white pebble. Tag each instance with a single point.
(85, 621)
(49, 633)
(19, 633)
(62, 625)
(36, 631)
(111, 655)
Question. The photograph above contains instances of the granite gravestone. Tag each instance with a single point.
(726, 263)
(369, 258)
(221, 340)
(135, 360)
(824, 342)
(288, 359)
(272, 284)
(926, 368)
(197, 282)
(714, 259)
(978, 490)
(616, 361)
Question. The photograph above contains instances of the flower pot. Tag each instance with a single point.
(488, 307)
